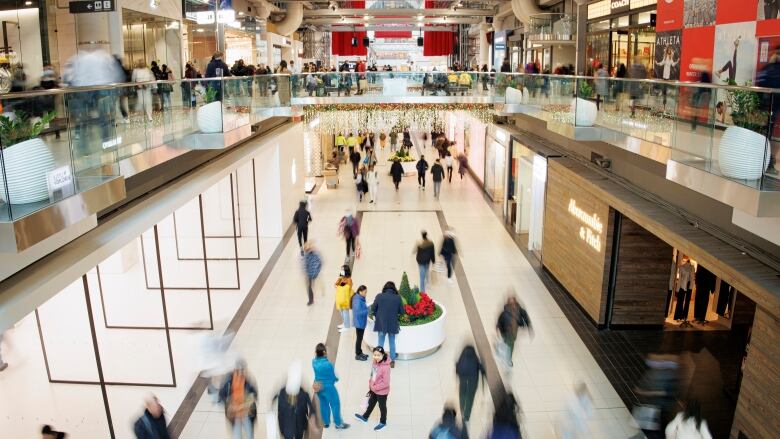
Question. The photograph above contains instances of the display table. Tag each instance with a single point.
(413, 341)
(394, 86)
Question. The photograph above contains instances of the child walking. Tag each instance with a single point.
(378, 388)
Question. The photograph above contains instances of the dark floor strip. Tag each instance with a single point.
(182, 415)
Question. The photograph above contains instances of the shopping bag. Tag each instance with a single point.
(363, 84)
(363, 404)
(358, 251)
(502, 351)
(646, 417)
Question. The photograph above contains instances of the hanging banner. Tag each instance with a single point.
(668, 46)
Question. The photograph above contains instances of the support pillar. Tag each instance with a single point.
(484, 46)
(582, 32)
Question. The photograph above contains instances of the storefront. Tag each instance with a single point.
(468, 133)
(496, 145)
(150, 38)
(621, 32)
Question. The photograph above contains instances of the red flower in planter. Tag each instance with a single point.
(423, 308)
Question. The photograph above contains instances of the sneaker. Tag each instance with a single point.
(309, 303)
(3, 367)
(379, 426)
(361, 418)
(392, 364)
(361, 357)
(326, 426)
(342, 427)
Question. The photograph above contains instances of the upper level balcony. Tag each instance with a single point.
(551, 28)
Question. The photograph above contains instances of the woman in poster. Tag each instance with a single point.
(668, 63)
(730, 66)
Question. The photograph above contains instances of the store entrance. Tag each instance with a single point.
(150, 38)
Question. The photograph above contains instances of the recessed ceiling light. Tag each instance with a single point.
(240, 13)
(367, 17)
(200, 30)
(27, 3)
(419, 18)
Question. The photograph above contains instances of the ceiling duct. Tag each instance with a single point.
(292, 20)
(523, 10)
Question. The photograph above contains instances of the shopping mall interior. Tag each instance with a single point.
(577, 203)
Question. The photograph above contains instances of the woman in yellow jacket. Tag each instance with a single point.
(343, 297)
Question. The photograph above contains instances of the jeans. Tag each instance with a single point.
(381, 339)
(424, 268)
(436, 188)
(373, 398)
(243, 424)
(359, 340)
(450, 267)
(468, 388)
(329, 402)
(310, 290)
(345, 317)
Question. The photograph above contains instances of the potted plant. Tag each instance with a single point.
(422, 325)
(743, 150)
(584, 110)
(406, 159)
(26, 158)
(210, 114)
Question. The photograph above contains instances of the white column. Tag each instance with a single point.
(484, 47)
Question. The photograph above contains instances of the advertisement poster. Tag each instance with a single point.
(699, 13)
(667, 55)
(670, 15)
(736, 11)
(697, 48)
(768, 9)
(735, 53)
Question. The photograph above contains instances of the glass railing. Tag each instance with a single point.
(61, 142)
(395, 84)
(723, 130)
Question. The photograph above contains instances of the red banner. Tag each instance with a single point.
(698, 44)
(736, 11)
(670, 15)
(341, 44)
(393, 34)
(438, 43)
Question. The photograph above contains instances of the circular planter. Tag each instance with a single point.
(413, 341)
(743, 154)
(410, 168)
(25, 165)
(210, 117)
(584, 111)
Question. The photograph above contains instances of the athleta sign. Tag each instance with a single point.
(593, 227)
(618, 6)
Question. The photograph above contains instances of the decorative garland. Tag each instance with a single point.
(346, 118)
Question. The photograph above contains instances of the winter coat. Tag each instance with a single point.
(349, 226)
(354, 157)
(359, 311)
(293, 416)
(302, 218)
(211, 68)
(379, 382)
(448, 428)
(397, 171)
(312, 264)
(426, 254)
(511, 319)
(387, 307)
(149, 427)
(343, 294)
(249, 392)
(437, 171)
(422, 166)
(448, 248)
(324, 371)
(469, 366)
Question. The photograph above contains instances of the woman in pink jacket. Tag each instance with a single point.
(378, 388)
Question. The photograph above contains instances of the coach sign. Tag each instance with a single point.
(619, 6)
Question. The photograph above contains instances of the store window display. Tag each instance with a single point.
(686, 278)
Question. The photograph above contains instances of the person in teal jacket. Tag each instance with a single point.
(359, 320)
(325, 385)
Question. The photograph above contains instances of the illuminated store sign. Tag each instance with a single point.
(618, 6)
(593, 227)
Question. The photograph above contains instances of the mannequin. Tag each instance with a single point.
(684, 285)
(724, 299)
(705, 284)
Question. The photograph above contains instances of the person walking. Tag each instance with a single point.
(425, 256)
(354, 158)
(382, 140)
(505, 422)
(360, 184)
(349, 229)
(448, 251)
(144, 92)
(393, 140)
(340, 143)
(387, 308)
(468, 370)
(312, 264)
(326, 379)
(448, 162)
(359, 320)
(448, 427)
(372, 178)
(352, 143)
(422, 167)
(688, 424)
(302, 218)
(343, 297)
(294, 406)
(378, 388)
(463, 165)
(151, 424)
(397, 171)
(512, 318)
(239, 394)
(437, 173)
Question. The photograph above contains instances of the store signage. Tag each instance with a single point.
(60, 182)
(207, 17)
(592, 229)
(86, 7)
(619, 6)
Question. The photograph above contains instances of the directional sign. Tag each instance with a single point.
(86, 7)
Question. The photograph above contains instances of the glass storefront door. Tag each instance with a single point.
(495, 170)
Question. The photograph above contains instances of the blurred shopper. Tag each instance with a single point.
(302, 218)
(448, 162)
(349, 229)
(688, 424)
(239, 395)
(637, 88)
(361, 183)
(468, 369)
(217, 69)
(463, 165)
(372, 178)
(188, 95)
(448, 427)
(437, 173)
(425, 255)
(47, 432)
(165, 88)
(359, 320)
(343, 305)
(770, 77)
(387, 308)
(296, 412)
(512, 318)
(151, 424)
(312, 264)
(393, 140)
(378, 388)
(352, 143)
(505, 420)
(325, 382)
(354, 158)
(448, 251)
(143, 102)
(657, 393)
(396, 171)
(340, 142)
(382, 140)
(217, 360)
(422, 168)
(602, 85)
(577, 413)
(700, 100)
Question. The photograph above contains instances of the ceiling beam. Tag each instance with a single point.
(410, 20)
(441, 12)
